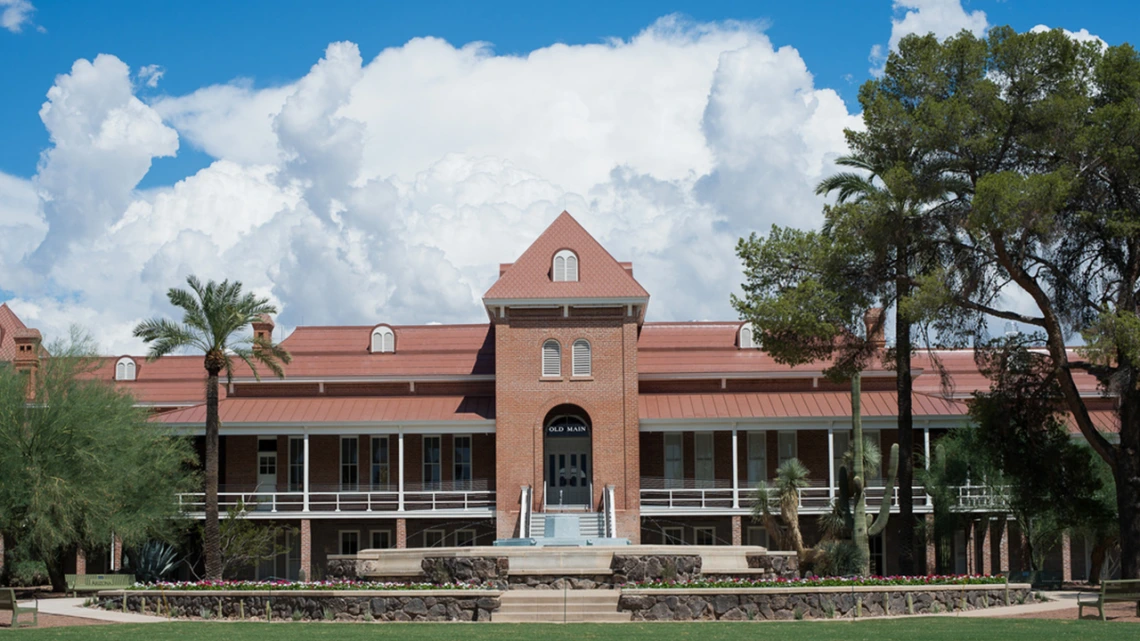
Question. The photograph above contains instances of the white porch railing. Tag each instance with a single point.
(658, 497)
(346, 500)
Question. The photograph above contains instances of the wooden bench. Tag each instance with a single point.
(1110, 591)
(77, 583)
(8, 602)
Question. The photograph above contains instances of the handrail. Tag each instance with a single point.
(610, 512)
(524, 513)
(346, 501)
(969, 497)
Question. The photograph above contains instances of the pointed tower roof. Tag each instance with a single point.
(600, 277)
(9, 325)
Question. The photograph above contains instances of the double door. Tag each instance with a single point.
(568, 470)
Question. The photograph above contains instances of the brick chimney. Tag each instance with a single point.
(263, 328)
(874, 321)
(27, 359)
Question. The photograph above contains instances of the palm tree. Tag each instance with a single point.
(214, 321)
(897, 223)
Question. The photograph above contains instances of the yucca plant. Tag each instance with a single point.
(152, 561)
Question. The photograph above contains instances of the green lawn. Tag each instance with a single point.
(912, 629)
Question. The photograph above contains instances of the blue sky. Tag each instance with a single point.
(363, 163)
(273, 42)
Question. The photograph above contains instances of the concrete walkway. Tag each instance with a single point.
(74, 608)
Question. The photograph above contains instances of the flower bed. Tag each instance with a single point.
(817, 582)
(281, 586)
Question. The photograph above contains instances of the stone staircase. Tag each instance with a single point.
(560, 606)
(590, 524)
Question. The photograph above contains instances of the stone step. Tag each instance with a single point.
(593, 617)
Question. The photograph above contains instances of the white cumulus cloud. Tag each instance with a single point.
(943, 18)
(16, 14)
(1080, 36)
(388, 190)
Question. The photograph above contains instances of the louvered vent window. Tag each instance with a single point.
(581, 354)
(565, 266)
(551, 358)
(383, 340)
(746, 336)
(125, 369)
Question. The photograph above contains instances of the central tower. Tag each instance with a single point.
(566, 318)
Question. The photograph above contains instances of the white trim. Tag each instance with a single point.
(126, 369)
(584, 359)
(795, 445)
(710, 441)
(551, 358)
(789, 424)
(569, 262)
(284, 429)
(387, 340)
(680, 459)
(704, 529)
(455, 458)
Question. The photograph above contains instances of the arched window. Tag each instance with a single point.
(581, 357)
(125, 369)
(551, 358)
(383, 340)
(746, 339)
(565, 266)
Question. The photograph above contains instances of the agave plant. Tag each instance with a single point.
(153, 561)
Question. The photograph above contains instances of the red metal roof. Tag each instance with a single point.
(599, 275)
(786, 405)
(394, 409)
(707, 348)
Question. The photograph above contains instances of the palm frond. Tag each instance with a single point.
(164, 337)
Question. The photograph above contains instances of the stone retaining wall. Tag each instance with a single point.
(630, 568)
(560, 582)
(309, 605)
(763, 604)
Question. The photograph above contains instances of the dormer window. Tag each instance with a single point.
(746, 339)
(125, 369)
(383, 340)
(565, 266)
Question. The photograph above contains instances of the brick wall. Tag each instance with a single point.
(608, 396)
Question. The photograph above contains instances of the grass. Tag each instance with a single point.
(911, 629)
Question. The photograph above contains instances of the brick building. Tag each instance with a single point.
(566, 400)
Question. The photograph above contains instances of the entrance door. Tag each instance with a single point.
(266, 472)
(568, 464)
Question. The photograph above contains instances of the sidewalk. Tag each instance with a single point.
(74, 608)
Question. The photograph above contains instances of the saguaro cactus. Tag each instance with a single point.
(857, 518)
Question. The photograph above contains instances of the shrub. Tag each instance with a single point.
(152, 561)
(27, 573)
(839, 558)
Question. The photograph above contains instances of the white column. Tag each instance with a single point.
(735, 471)
(400, 478)
(305, 467)
(831, 462)
(926, 452)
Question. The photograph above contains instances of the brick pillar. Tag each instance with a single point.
(1066, 557)
(306, 550)
(117, 554)
(80, 562)
(931, 551)
(971, 550)
(1003, 545)
(987, 551)
(1, 554)
(737, 533)
(401, 533)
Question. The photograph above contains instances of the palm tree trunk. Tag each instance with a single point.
(905, 427)
(212, 527)
(859, 526)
